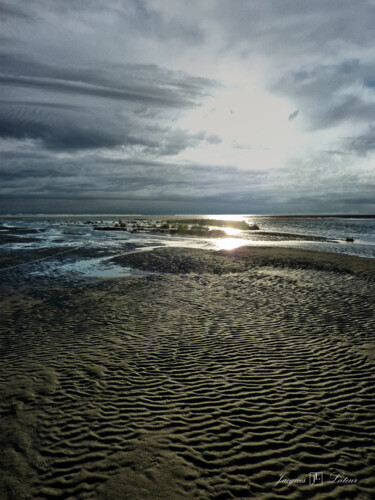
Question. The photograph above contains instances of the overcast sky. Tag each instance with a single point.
(196, 106)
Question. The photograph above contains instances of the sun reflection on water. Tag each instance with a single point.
(232, 232)
(229, 243)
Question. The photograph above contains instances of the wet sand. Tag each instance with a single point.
(222, 375)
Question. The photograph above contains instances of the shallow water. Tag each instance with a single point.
(77, 234)
(90, 268)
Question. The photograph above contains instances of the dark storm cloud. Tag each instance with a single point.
(78, 88)
(38, 104)
(60, 128)
(125, 180)
(147, 84)
(59, 135)
(65, 107)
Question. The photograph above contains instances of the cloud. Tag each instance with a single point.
(290, 31)
(147, 84)
(330, 94)
(185, 104)
(139, 16)
(74, 128)
(9, 12)
(362, 144)
(85, 108)
(47, 177)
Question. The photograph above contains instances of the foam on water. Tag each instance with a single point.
(91, 268)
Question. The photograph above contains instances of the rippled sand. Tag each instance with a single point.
(211, 380)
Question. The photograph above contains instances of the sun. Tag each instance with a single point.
(250, 126)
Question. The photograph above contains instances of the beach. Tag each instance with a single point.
(213, 375)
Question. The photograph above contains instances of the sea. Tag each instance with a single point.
(70, 245)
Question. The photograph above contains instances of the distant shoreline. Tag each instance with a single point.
(309, 216)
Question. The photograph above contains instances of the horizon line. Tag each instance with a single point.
(344, 215)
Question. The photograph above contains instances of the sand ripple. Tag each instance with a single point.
(195, 386)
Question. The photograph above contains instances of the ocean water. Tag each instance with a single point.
(87, 251)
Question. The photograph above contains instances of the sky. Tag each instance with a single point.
(196, 106)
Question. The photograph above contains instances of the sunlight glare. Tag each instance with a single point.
(229, 243)
(232, 231)
(250, 127)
